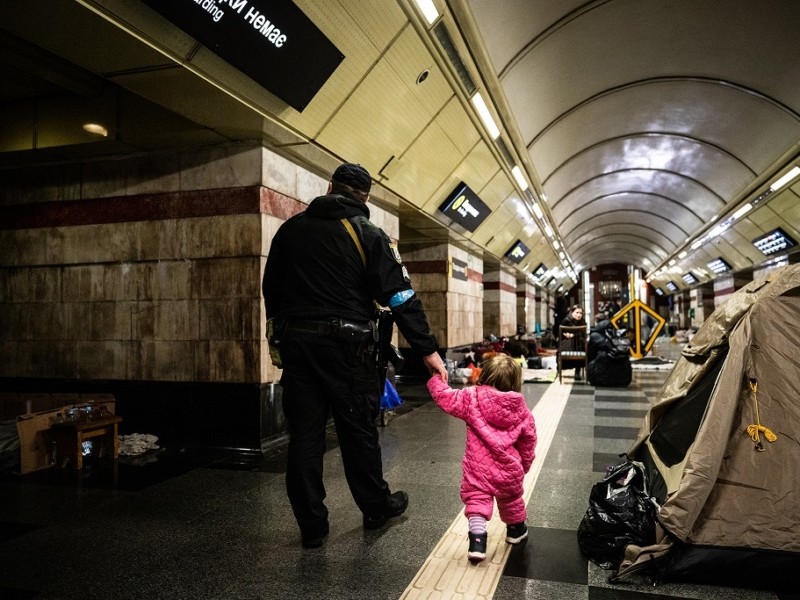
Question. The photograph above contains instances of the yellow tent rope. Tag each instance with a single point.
(754, 429)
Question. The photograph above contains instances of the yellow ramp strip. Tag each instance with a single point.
(447, 574)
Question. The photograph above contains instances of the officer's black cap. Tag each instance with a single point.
(356, 176)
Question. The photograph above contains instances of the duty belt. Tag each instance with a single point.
(346, 330)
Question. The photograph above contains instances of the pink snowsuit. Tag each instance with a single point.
(501, 445)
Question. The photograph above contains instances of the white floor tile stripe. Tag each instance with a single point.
(447, 573)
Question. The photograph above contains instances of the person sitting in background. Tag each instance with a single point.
(574, 319)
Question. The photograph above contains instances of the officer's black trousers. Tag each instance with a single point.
(326, 376)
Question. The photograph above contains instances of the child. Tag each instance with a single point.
(501, 443)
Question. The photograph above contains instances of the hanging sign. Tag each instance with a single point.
(270, 41)
(464, 207)
(517, 252)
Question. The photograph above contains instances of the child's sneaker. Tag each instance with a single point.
(477, 547)
(516, 533)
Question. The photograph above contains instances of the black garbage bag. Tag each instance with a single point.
(605, 371)
(620, 512)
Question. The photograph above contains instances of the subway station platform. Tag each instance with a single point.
(184, 523)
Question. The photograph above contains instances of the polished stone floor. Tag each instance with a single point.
(188, 524)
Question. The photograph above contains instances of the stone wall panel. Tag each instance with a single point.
(226, 278)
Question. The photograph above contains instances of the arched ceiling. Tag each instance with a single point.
(640, 126)
(645, 122)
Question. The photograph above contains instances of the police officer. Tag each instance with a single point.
(326, 267)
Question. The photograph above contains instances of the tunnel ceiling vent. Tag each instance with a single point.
(501, 145)
(455, 58)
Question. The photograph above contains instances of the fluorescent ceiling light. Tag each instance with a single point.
(537, 210)
(556, 245)
(718, 230)
(774, 241)
(785, 179)
(697, 244)
(742, 211)
(517, 173)
(682, 254)
(485, 115)
(428, 10)
(548, 230)
(719, 265)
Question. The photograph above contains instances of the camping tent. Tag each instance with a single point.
(721, 447)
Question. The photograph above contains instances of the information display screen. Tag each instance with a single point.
(464, 207)
(517, 252)
(271, 41)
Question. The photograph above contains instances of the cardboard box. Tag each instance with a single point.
(35, 443)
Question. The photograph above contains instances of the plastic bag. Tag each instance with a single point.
(390, 398)
(620, 345)
(620, 512)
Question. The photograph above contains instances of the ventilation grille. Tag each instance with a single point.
(455, 59)
(505, 152)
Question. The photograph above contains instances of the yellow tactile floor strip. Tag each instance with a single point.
(447, 574)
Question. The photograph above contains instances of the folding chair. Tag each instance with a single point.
(572, 349)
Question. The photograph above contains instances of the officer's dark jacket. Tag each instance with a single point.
(314, 271)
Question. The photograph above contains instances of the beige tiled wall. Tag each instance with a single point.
(163, 300)
(465, 302)
(454, 308)
(526, 305)
(171, 299)
(500, 305)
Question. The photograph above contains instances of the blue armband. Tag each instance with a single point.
(400, 297)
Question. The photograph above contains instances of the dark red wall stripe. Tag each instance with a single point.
(150, 207)
(499, 285)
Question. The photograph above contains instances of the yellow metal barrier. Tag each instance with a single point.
(639, 347)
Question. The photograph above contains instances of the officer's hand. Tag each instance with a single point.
(435, 365)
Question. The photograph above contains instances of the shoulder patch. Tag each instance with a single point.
(395, 252)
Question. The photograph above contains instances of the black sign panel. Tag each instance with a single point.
(539, 271)
(517, 252)
(465, 207)
(458, 269)
(270, 41)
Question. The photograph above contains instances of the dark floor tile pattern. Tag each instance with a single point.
(615, 433)
(552, 555)
(619, 412)
(216, 525)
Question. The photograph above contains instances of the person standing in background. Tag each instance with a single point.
(326, 269)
